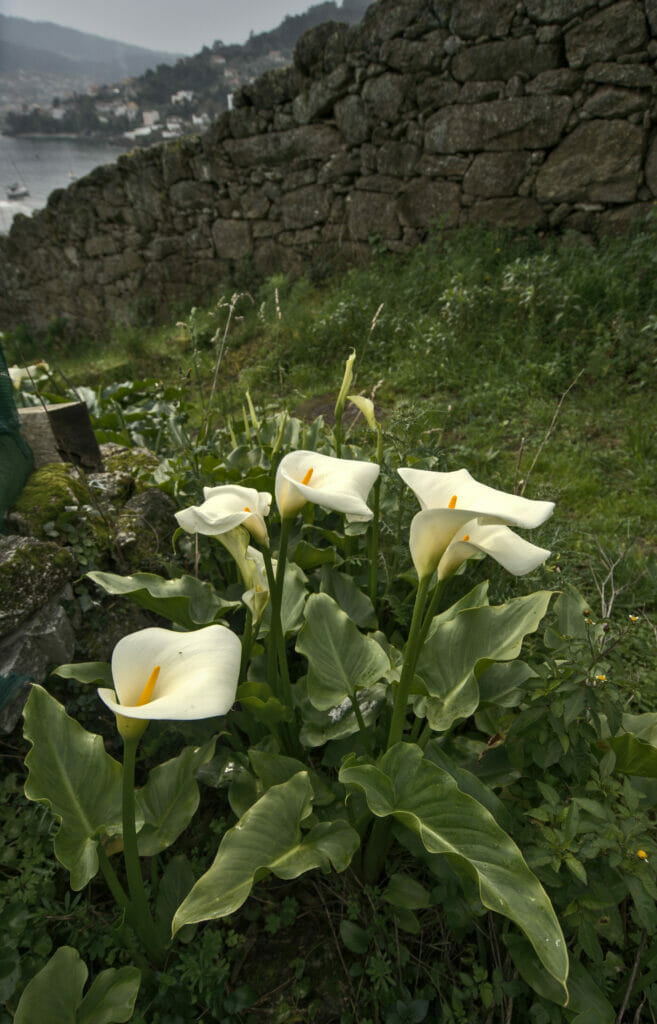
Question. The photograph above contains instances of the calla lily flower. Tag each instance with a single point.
(226, 508)
(338, 484)
(454, 507)
(460, 491)
(18, 374)
(513, 553)
(162, 674)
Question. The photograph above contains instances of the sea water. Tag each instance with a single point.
(43, 165)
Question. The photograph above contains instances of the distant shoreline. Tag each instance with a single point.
(106, 140)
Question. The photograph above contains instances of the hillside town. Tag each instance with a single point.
(170, 100)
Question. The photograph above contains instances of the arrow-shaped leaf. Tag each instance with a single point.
(452, 653)
(426, 799)
(70, 771)
(340, 658)
(169, 799)
(187, 601)
(267, 838)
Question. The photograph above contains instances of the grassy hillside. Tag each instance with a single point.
(532, 362)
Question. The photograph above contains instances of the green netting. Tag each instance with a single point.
(16, 460)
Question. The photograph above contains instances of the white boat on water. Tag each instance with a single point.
(17, 191)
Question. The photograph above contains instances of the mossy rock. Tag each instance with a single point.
(139, 462)
(145, 528)
(51, 495)
(31, 572)
(56, 504)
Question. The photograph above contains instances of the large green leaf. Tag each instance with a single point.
(54, 994)
(426, 799)
(343, 589)
(635, 746)
(461, 646)
(170, 797)
(111, 998)
(320, 727)
(267, 838)
(90, 672)
(258, 699)
(186, 601)
(177, 879)
(70, 771)
(340, 658)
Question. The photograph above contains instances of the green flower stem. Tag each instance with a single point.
(432, 609)
(364, 731)
(413, 648)
(337, 434)
(272, 639)
(373, 568)
(277, 667)
(139, 910)
(119, 894)
(376, 849)
(247, 643)
(425, 736)
(286, 526)
(112, 882)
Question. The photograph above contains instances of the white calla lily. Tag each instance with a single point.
(460, 491)
(455, 505)
(226, 508)
(18, 374)
(338, 484)
(162, 674)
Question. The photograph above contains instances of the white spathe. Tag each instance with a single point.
(197, 678)
(438, 490)
(341, 485)
(514, 553)
(225, 508)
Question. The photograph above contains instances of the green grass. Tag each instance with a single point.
(479, 336)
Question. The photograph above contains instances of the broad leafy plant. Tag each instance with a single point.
(366, 717)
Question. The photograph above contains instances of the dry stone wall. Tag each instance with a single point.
(536, 114)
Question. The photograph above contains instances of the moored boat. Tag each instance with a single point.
(17, 191)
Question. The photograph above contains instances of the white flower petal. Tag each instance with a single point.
(431, 532)
(198, 673)
(436, 490)
(513, 553)
(338, 484)
(224, 509)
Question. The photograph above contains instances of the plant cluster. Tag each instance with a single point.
(473, 781)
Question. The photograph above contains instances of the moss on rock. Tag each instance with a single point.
(31, 572)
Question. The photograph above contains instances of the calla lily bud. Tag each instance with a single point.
(338, 484)
(256, 598)
(366, 406)
(346, 384)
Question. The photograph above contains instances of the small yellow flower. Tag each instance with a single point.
(634, 618)
(642, 855)
(601, 677)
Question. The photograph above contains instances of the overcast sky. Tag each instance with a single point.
(178, 26)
